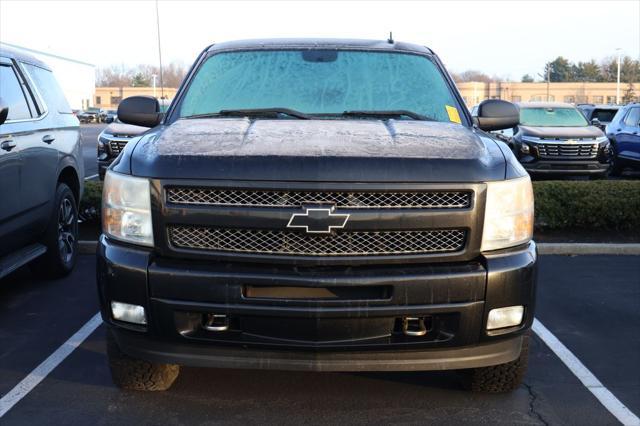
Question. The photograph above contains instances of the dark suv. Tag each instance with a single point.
(598, 115)
(324, 205)
(554, 138)
(41, 168)
(112, 140)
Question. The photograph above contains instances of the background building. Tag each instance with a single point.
(576, 93)
(110, 97)
(77, 78)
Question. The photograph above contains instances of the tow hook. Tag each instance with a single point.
(215, 322)
(413, 326)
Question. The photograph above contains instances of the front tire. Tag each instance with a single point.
(136, 374)
(500, 378)
(61, 236)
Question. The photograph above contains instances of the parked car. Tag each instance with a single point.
(554, 138)
(624, 134)
(598, 115)
(112, 140)
(110, 116)
(338, 213)
(41, 168)
(86, 117)
(107, 115)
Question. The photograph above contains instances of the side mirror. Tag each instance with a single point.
(494, 114)
(140, 110)
(4, 111)
(596, 122)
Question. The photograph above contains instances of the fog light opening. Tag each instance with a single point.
(509, 316)
(127, 312)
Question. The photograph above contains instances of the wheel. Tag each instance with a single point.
(136, 374)
(502, 377)
(60, 237)
(616, 168)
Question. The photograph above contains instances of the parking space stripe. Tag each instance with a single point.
(591, 382)
(41, 371)
(91, 177)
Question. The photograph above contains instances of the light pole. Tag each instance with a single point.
(548, 77)
(618, 83)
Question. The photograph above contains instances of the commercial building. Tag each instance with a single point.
(77, 78)
(472, 92)
(110, 97)
(576, 93)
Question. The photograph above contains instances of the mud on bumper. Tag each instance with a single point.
(359, 328)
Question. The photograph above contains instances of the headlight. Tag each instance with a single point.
(508, 217)
(602, 139)
(126, 209)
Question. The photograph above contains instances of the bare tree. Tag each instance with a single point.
(140, 75)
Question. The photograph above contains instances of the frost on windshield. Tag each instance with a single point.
(353, 80)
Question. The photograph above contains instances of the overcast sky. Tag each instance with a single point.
(501, 38)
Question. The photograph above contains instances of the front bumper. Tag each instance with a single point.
(357, 331)
(570, 167)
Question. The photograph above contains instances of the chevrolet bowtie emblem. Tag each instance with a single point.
(320, 220)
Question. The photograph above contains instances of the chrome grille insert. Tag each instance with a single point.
(568, 150)
(295, 199)
(376, 243)
(117, 146)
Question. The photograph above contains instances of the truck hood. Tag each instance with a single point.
(582, 132)
(318, 150)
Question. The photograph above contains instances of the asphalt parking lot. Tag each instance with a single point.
(590, 303)
(89, 133)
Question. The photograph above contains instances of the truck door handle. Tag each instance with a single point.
(8, 145)
(48, 139)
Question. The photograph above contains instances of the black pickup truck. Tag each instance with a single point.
(319, 205)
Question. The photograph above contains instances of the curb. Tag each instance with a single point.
(567, 249)
(588, 248)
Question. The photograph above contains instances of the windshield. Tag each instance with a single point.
(604, 115)
(552, 117)
(320, 82)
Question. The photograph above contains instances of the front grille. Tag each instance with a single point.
(568, 150)
(117, 146)
(298, 244)
(295, 199)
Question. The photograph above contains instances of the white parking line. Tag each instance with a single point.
(591, 382)
(91, 177)
(40, 372)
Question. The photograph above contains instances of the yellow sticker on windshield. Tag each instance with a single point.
(453, 114)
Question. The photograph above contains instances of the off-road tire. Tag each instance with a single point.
(500, 378)
(136, 374)
(61, 256)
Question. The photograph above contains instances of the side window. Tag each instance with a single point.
(49, 88)
(12, 94)
(633, 118)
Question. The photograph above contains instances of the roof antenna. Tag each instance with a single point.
(390, 39)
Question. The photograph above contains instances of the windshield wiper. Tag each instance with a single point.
(253, 112)
(388, 114)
